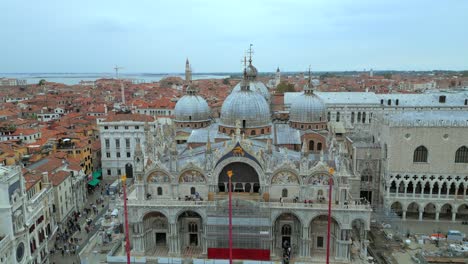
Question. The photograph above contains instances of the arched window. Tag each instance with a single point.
(224, 130)
(337, 116)
(284, 193)
(389, 102)
(328, 116)
(420, 154)
(319, 146)
(262, 131)
(311, 145)
(286, 230)
(193, 227)
(366, 175)
(192, 190)
(253, 133)
(363, 117)
(160, 191)
(352, 117)
(461, 156)
(359, 116)
(397, 102)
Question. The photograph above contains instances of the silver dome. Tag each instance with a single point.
(192, 108)
(245, 105)
(255, 86)
(307, 108)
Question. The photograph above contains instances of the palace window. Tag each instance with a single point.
(420, 154)
(192, 190)
(461, 156)
(193, 227)
(284, 193)
(366, 175)
(319, 146)
(311, 145)
(286, 230)
(160, 191)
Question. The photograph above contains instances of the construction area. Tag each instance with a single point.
(394, 241)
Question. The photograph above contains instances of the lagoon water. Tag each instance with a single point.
(75, 78)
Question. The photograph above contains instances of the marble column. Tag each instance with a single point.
(403, 215)
(437, 215)
(305, 245)
(174, 248)
(454, 216)
(420, 216)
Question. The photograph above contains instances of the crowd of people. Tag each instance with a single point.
(66, 241)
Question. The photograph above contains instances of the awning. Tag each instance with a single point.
(182, 137)
(97, 174)
(94, 182)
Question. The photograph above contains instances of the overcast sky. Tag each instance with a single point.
(155, 36)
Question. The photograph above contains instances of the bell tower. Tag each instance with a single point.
(188, 72)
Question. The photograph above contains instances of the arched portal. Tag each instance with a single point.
(429, 211)
(412, 211)
(318, 235)
(156, 233)
(446, 212)
(397, 208)
(190, 230)
(287, 232)
(462, 212)
(244, 178)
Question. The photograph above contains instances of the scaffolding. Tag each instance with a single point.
(389, 219)
(250, 225)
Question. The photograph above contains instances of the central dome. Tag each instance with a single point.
(192, 108)
(307, 108)
(256, 86)
(248, 107)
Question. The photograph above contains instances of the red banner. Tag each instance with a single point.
(239, 253)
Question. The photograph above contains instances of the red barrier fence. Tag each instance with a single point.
(239, 253)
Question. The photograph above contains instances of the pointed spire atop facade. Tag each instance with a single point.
(304, 149)
(269, 148)
(208, 143)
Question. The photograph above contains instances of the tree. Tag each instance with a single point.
(285, 87)
(387, 75)
(226, 81)
(42, 82)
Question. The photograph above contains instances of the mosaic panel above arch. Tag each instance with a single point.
(158, 177)
(285, 177)
(191, 176)
(319, 179)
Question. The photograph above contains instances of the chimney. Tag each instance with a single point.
(45, 177)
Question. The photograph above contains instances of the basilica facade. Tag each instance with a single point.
(177, 205)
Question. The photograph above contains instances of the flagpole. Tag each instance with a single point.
(229, 173)
(127, 238)
(330, 184)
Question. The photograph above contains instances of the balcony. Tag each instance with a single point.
(427, 196)
(154, 203)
